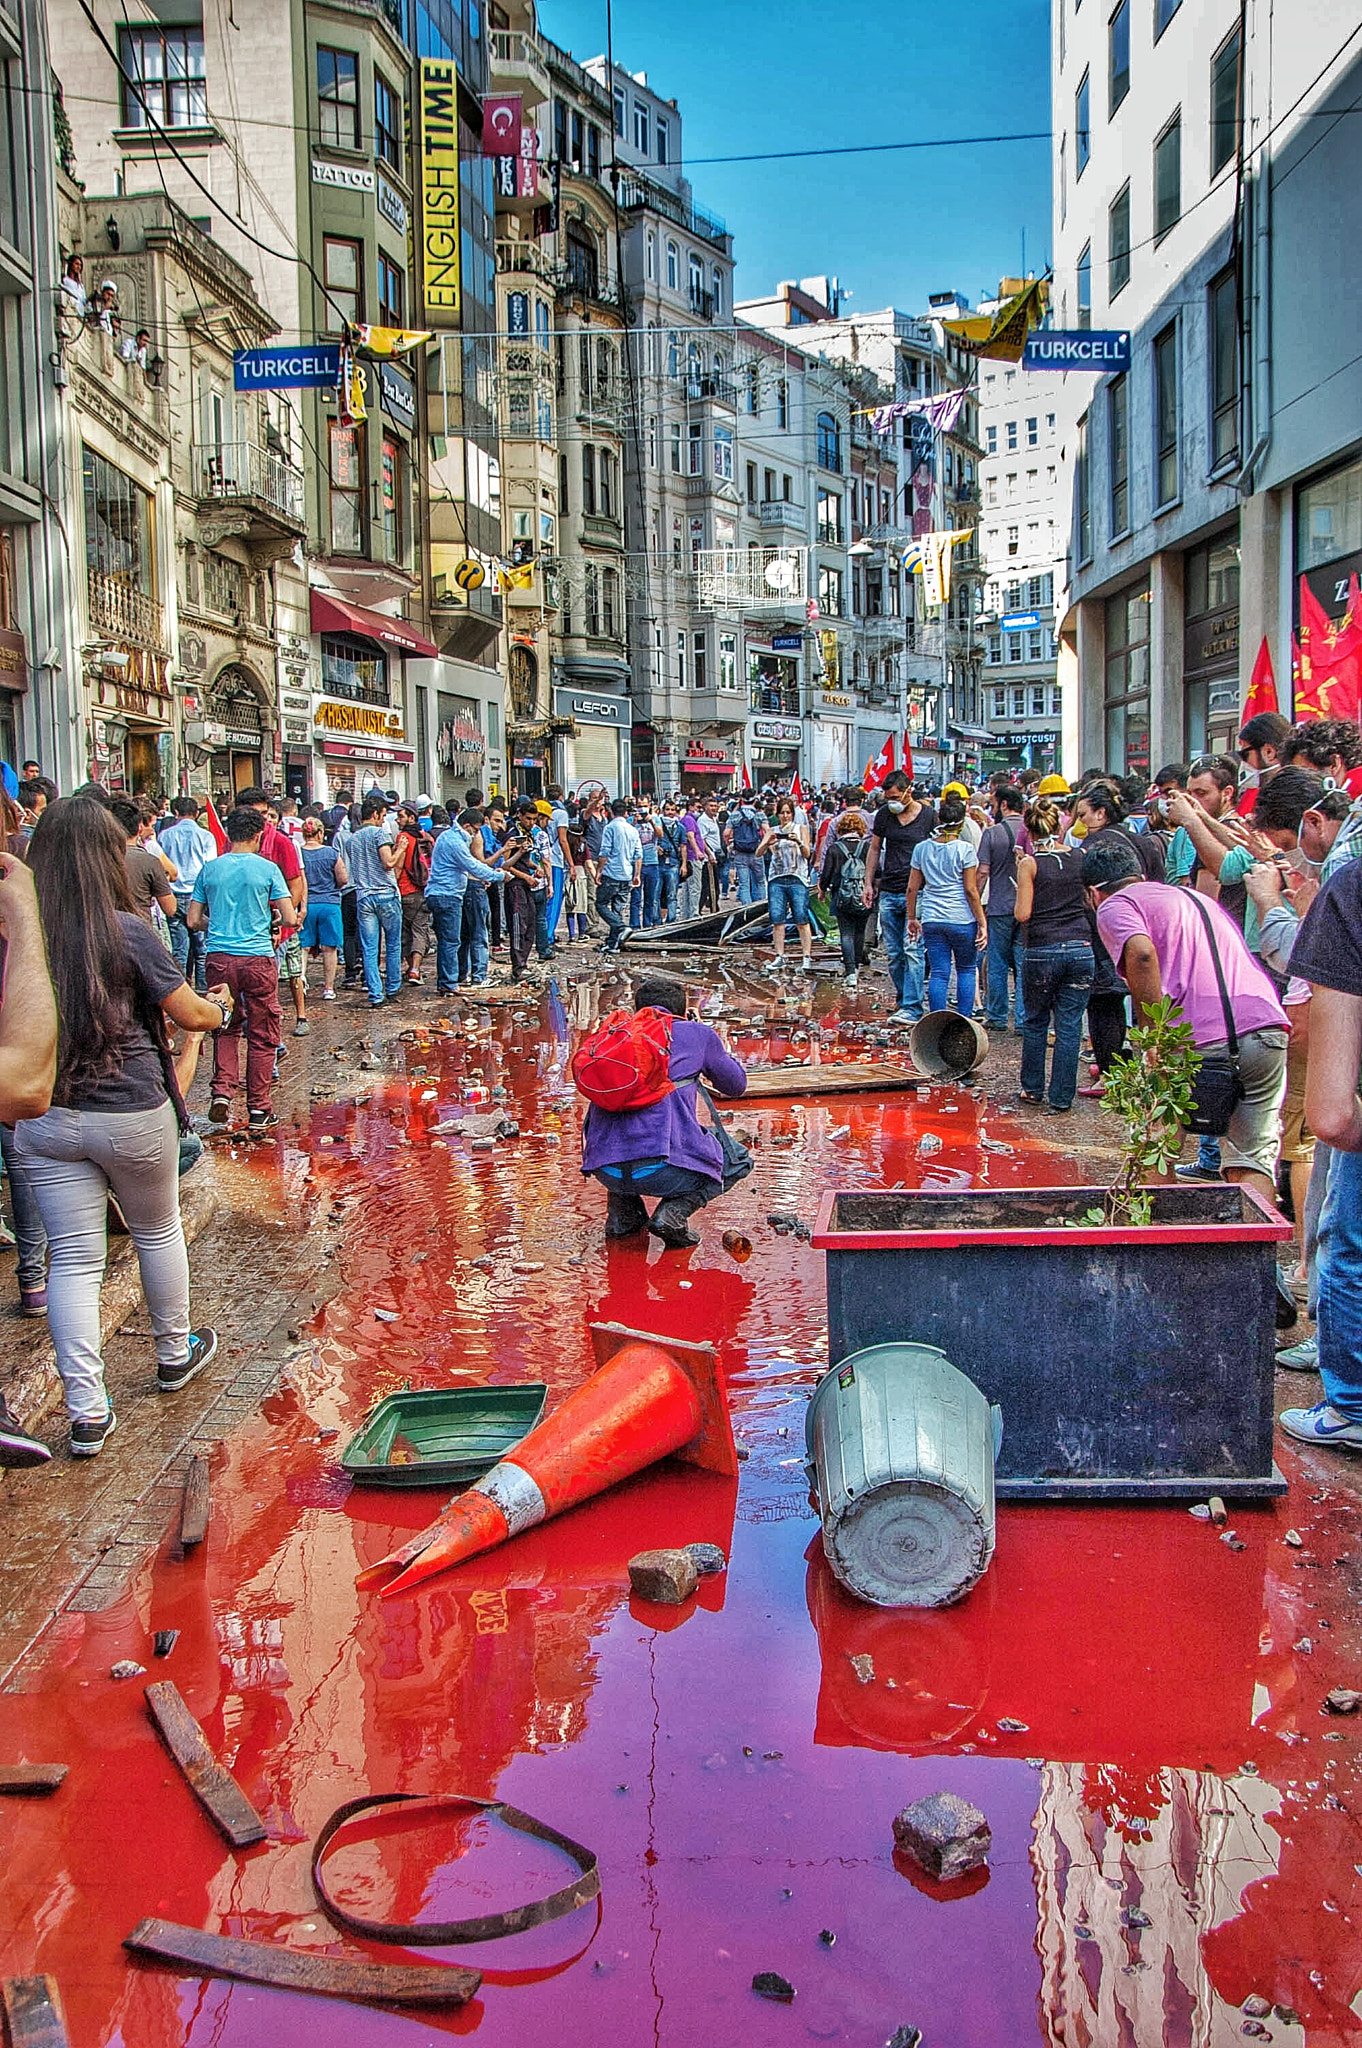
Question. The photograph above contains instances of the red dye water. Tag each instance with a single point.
(1172, 1815)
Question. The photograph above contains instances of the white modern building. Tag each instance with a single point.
(1206, 182)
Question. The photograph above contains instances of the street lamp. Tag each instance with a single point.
(111, 230)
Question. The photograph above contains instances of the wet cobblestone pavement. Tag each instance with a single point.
(1135, 1706)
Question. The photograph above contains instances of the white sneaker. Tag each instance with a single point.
(1322, 1424)
(775, 966)
(806, 967)
(901, 1017)
(851, 980)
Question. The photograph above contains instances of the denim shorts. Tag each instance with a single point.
(321, 926)
(788, 900)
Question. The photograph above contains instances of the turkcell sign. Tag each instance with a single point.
(787, 643)
(286, 369)
(1012, 621)
(1082, 348)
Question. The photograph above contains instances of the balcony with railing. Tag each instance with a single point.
(526, 259)
(580, 279)
(638, 192)
(701, 302)
(124, 613)
(780, 516)
(518, 66)
(256, 480)
(779, 698)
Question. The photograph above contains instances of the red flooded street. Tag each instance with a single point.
(1172, 1819)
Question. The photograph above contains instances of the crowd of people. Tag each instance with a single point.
(1229, 884)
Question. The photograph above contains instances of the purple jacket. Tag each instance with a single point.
(669, 1129)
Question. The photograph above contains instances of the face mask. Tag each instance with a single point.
(896, 805)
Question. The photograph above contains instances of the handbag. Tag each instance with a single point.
(1218, 1088)
(738, 1161)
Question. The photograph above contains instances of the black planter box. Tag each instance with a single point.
(1128, 1363)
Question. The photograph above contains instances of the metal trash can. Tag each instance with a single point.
(947, 1046)
(900, 1448)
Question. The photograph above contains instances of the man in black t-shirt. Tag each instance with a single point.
(1328, 955)
(900, 824)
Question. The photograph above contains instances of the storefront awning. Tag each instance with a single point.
(332, 615)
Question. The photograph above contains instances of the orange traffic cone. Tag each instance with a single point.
(649, 1398)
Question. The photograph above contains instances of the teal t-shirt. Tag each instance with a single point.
(238, 889)
(1233, 868)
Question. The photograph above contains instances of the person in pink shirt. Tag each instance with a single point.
(1164, 942)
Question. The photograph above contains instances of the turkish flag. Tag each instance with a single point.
(746, 776)
(213, 824)
(907, 758)
(501, 125)
(882, 765)
(797, 790)
(1262, 694)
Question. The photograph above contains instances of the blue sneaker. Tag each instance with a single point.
(1322, 1424)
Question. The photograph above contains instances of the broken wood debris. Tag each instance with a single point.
(840, 1077)
(194, 1507)
(256, 1962)
(216, 1790)
(31, 1780)
(33, 2009)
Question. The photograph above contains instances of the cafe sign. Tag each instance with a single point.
(362, 721)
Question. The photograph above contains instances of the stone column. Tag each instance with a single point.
(1261, 611)
(1092, 654)
(1167, 737)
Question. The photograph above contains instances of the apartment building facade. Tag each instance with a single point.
(1019, 549)
(1203, 173)
(286, 133)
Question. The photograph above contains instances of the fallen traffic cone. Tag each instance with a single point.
(649, 1398)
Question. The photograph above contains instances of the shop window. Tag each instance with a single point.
(354, 668)
(387, 124)
(394, 522)
(342, 274)
(337, 98)
(1127, 683)
(346, 478)
(171, 83)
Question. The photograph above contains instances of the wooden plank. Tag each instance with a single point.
(33, 2009)
(849, 1077)
(194, 1508)
(256, 1962)
(212, 1785)
(33, 1779)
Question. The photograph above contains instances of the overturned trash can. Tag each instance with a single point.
(900, 1457)
(946, 1046)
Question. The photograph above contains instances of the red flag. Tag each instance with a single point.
(797, 790)
(907, 758)
(1329, 684)
(746, 776)
(501, 125)
(1262, 694)
(213, 823)
(882, 765)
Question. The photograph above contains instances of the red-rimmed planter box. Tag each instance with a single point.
(1128, 1363)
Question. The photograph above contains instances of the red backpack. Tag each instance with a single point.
(626, 1062)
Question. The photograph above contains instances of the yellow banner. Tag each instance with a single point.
(370, 720)
(437, 141)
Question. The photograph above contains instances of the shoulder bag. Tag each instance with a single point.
(1218, 1088)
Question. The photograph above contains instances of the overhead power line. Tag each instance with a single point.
(780, 156)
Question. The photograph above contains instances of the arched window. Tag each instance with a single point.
(650, 244)
(829, 442)
(581, 258)
(673, 267)
(694, 362)
(673, 356)
(654, 349)
(523, 676)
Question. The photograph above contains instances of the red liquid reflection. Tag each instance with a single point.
(1172, 1830)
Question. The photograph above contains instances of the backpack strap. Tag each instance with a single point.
(1231, 1035)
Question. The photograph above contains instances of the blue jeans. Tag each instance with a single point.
(446, 914)
(669, 882)
(946, 943)
(29, 1236)
(188, 946)
(610, 896)
(636, 909)
(555, 902)
(1004, 958)
(904, 954)
(475, 956)
(751, 874)
(789, 901)
(1208, 1154)
(652, 890)
(543, 945)
(1339, 1269)
(375, 914)
(1055, 979)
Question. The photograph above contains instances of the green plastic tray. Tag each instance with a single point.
(442, 1436)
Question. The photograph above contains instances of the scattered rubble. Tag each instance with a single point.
(944, 1835)
(1342, 1701)
(667, 1576)
(768, 1984)
(126, 1667)
(707, 1558)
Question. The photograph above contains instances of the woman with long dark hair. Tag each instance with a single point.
(1057, 957)
(114, 1126)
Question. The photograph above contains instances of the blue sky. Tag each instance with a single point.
(755, 75)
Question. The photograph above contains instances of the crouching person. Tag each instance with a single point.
(640, 1072)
